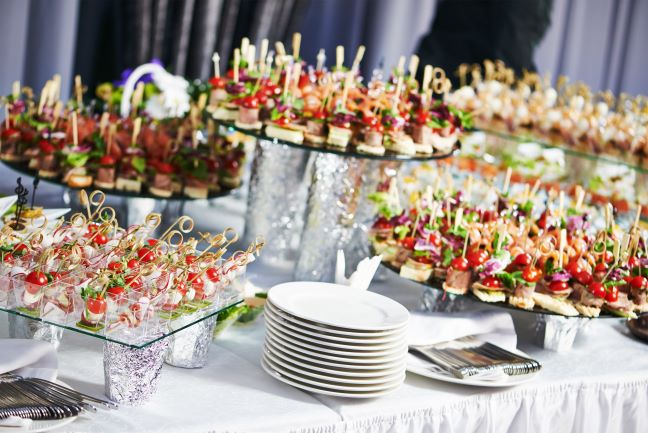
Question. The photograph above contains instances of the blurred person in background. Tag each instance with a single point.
(471, 31)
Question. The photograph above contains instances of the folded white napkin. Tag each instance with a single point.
(28, 358)
(496, 327)
(362, 276)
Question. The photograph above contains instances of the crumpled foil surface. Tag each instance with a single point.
(189, 348)
(276, 198)
(22, 327)
(132, 375)
(557, 333)
(330, 215)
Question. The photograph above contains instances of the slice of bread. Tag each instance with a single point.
(485, 295)
(588, 311)
(560, 306)
(522, 302)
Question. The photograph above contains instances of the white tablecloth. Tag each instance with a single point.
(601, 385)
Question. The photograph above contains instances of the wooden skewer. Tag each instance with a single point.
(237, 61)
(507, 180)
(216, 61)
(78, 90)
(137, 125)
(358, 58)
(296, 44)
(75, 130)
(413, 65)
(321, 58)
(263, 51)
(339, 57)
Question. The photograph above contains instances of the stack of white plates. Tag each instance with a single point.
(335, 340)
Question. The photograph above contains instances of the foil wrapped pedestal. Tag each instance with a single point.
(276, 198)
(132, 375)
(557, 333)
(339, 213)
(189, 348)
(22, 327)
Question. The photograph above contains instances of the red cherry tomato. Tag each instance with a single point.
(34, 281)
(196, 281)
(190, 259)
(46, 147)
(116, 291)
(522, 259)
(459, 264)
(633, 262)
(165, 168)
(115, 266)
(250, 102)
(96, 305)
(558, 286)
(408, 242)
(282, 121)
(597, 289)
(107, 160)
(574, 268)
(20, 250)
(477, 257)
(608, 257)
(382, 224)
(213, 275)
(600, 267)
(583, 277)
(134, 282)
(132, 264)
(100, 239)
(8, 258)
(531, 274)
(639, 282)
(56, 276)
(146, 255)
(492, 282)
(612, 294)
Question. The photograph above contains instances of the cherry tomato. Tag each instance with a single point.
(8, 258)
(190, 259)
(34, 281)
(213, 275)
(408, 242)
(282, 121)
(181, 287)
(574, 268)
(459, 264)
(46, 147)
(633, 262)
(612, 294)
(107, 160)
(600, 267)
(382, 223)
(639, 282)
(20, 250)
(146, 255)
(250, 102)
(100, 239)
(115, 267)
(116, 291)
(424, 259)
(583, 277)
(477, 257)
(608, 257)
(132, 264)
(492, 282)
(96, 305)
(597, 289)
(558, 286)
(196, 281)
(134, 282)
(56, 276)
(523, 259)
(531, 274)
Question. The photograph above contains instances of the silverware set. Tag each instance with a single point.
(39, 399)
(469, 357)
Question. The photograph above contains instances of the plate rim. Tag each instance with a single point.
(330, 329)
(357, 354)
(318, 286)
(364, 361)
(323, 391)
(369, 388)
(340, 345)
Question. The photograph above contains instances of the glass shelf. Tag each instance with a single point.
(172, 325)
(23, 169)
(635, 163)
(348, 151)
(536, 310)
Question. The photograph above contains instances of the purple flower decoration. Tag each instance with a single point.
(235, 88)
(560, 276)
(147, 78)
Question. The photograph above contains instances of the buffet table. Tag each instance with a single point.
(600, 385)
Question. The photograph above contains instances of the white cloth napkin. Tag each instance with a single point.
(488, 325)
(28, 358)
(362, 276)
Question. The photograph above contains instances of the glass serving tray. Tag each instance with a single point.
(23, 169)
(536, 310)
(134, 318)
(348, 151)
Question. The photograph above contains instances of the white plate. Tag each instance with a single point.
(334, 386)
(320, 390)
(380, 360)
(401, 348)
(316, 360)
(417, 365)
(365, 346)
(37, 426)
(339, 306)
(303, 330)
(318, 327)
(341, 374)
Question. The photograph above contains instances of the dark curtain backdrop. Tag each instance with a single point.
(117, 34)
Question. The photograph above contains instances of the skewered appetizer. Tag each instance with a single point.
(514, 251)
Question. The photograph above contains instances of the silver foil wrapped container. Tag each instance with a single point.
(189, 348)
(22, 327)
(276, 198)
(330, 215)
(132, 375)
(557, 333)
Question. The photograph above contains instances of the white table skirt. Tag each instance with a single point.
(601, 385)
